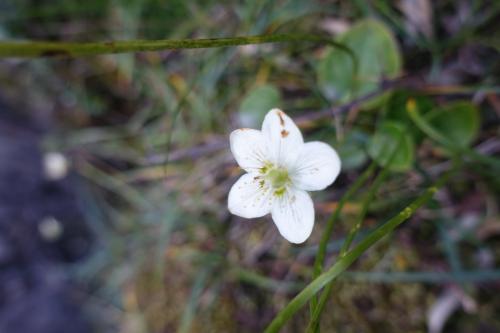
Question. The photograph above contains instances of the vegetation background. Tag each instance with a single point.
(137, 236)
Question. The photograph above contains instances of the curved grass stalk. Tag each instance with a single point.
(313, 326)
(320, 256)
(432, 133)
(343, 263)
(316, 314)
(366, 203)
(32, 49)
(175, 114)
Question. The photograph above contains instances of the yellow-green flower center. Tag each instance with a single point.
(278, 178)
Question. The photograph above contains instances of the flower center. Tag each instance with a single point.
(278, 177)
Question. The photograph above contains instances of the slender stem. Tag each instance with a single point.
(264, 282)
(320, 256)
(424, 277)
(194, 299)
(314, 324)
(30, 49)
(424, 126)
(435, 135)
(315, 312)
(316, 315)
(366, 203)
(170, 132)
(341, 265)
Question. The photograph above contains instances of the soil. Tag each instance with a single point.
(36, 291)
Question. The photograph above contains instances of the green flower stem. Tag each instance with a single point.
(315, 313)
(320, 256)
(314, 323)
(318, 310)
(175, 114)
(425, 127)
(31, 49)
(366, 203)
(343, 263)
(432, 133)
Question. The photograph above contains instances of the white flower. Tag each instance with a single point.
(280, 169)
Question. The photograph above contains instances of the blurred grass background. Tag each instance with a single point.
(148, 135)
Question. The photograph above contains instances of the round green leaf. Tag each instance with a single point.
(378, 57)
(257, 103)
(392, 146)
(335, 75)
(457, 122)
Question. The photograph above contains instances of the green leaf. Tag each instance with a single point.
(335, 75)
(257, 103)
(457, 122)
(392, 143)
(378, 55)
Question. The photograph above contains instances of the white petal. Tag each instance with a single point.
(283, 137)
(250, 197)
(293, 214)
(249, 149)
(317, 166)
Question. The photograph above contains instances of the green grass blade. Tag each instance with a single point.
(320, 256)
(341, 265)
(316, 315)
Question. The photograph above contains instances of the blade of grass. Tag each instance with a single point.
(265, 282)
(175, 114)
(316, 309)
(424, 277)
(449, 246)
(31, 49)
(113, 184)
(192, 304)
(320, 256)
(343, 263)
(364, 210)
(314, 323)
(273, 285)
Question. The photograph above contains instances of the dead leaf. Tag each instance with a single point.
(418, 15)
